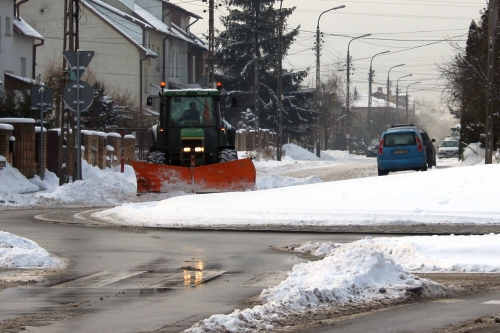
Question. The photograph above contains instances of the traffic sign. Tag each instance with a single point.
(48, 98)
(78, 61)
(70, 96)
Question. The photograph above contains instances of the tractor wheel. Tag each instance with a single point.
(156, 157)
(227, 155)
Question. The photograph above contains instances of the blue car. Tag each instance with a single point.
(401, 148)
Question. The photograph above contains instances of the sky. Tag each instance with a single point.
(411, 29)
(370, 269)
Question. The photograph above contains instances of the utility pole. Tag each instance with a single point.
(256, 76)
(280, 87)
(370, 79)
(490, 71)
(71, 42)
(348, 104)
(211, 45)
(318, 88)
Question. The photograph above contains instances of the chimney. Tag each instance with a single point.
(355, 94)
(379, 89)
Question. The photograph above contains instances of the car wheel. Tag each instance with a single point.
(382, 172)
(424, 168)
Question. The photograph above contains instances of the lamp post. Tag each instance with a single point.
(318, 49)
(388, 82)
(348, 104)
(280, 88)
(397, 94)
(370, 76)
(407, 119)
(388, 87)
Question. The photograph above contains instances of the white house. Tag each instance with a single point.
(135, 49)
(19, 43)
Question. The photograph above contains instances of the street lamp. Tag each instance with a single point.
(388, 82)
(388, 87)
(318, 49)
(397, 94)
(348, 104)
(370, 95)
(407, 119)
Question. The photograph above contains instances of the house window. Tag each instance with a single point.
(176, 63)
(158, 59)
(193, 70)
(23, 67)
(8, 31)
(146, 80)
(170, 57)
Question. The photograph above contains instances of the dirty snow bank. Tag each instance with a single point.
(345, 276)
(368, 270)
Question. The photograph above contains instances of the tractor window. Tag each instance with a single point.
(192, 111)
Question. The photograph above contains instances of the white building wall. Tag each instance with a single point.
(13, 46)
(116, 60)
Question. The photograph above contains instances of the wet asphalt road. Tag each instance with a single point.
(244, 261)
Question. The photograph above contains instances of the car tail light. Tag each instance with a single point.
(419, 144)
(381, 147)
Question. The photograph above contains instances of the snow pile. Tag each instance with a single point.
(368, 270)
(298, 153)
(424, 253)
(276, 181)
(19, 252)
(348, 275)
(99, 187)
(401, 199)
(13, 182)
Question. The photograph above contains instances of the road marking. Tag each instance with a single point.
(98, 280)
(449, 301)
(142, 280)
(494, 302)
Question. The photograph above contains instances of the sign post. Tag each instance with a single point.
(41, 97)
(78, 61)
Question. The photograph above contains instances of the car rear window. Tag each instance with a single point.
(399, 139)
(449, 144)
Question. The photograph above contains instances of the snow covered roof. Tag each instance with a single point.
(362, 102)
(17, 120)
(25, 80)
(129, 136)
(187, 12)
(128, 26)
(6, 127)
(152, 112)
(161, 27)
(114, 135)
(25, 29)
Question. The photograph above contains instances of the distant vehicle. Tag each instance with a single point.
(371, 150)
(448, 148)
(430, 151)
(401, 148)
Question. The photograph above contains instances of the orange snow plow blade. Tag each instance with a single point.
(236, 175)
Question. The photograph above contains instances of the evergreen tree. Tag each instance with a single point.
(252, 31)
(467, 86)
(104, 113)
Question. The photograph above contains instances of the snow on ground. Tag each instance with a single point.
(19, 252)
(99, 188)
(372, 269)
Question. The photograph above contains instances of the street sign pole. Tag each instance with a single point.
(78, 144)
(42, 171)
